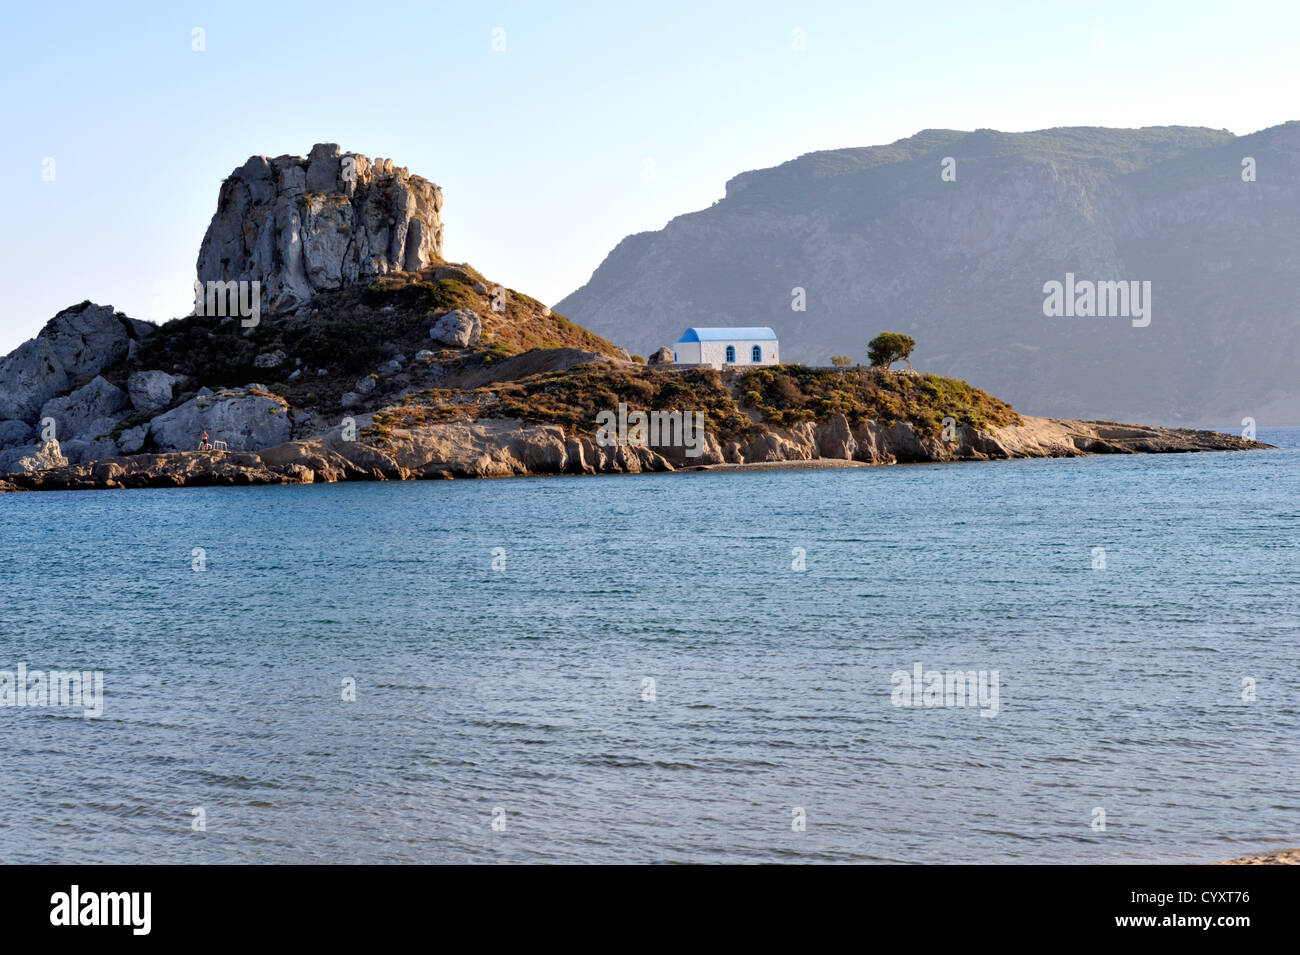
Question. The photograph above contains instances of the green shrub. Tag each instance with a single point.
(786, 394)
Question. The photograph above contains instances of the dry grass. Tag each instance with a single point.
(574, 398)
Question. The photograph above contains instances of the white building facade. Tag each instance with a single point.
(727, 347)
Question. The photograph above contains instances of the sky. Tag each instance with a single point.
(595, 121)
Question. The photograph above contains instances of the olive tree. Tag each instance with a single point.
(889, 347)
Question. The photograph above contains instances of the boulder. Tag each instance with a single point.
(245, 421)
(14, 434)
(96, 429)
(96, 450)
(132, 440)
(459, 329)
(365, 385)
(75, 450)
(90, 411)
(664, 356)
(453, 272)
(88, 338)
(271, 359)
(150, 390)
(332, 220)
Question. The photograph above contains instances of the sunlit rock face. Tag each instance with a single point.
(334, 219)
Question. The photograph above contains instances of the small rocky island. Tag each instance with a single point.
(331, 342)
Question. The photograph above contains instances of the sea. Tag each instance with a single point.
(722, 666)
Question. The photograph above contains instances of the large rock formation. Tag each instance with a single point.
(74, 345)
(876, 238)
(331, 220)
(38, 457)
(245, 419)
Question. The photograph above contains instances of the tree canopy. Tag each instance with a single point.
(889, 347)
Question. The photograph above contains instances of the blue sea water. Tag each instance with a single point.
(519, 694)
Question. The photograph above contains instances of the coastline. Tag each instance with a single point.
(514, 448)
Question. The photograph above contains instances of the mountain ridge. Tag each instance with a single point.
(878, 240)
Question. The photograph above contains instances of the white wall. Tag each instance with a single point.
(715, 353)
(686, 353)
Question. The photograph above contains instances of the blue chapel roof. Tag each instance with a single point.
(763, 334)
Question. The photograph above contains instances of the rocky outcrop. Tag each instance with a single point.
(835, 439)
(334, 219)
(663, 356)
(190, 469)
(74, 345)
(30, 376)
(508, 448)
(87, 338)
(247, 420)
(44, 456)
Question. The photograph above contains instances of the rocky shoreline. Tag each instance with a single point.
(513, 448)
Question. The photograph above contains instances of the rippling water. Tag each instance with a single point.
(523, 689)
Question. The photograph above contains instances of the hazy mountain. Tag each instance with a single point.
(879, 240)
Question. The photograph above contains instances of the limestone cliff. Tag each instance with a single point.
(299, 226)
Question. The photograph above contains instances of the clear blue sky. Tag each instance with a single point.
(542, 149)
